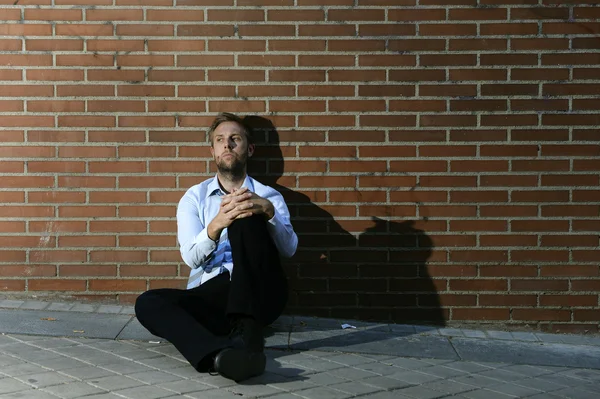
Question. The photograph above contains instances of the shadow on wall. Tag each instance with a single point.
(380, 274)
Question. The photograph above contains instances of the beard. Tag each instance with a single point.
(235, 167)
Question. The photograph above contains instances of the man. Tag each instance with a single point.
(231, 230)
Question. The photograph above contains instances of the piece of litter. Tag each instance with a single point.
(302, 323)
(78, 331)
(154, 342)
(345, 326)
(48, 318)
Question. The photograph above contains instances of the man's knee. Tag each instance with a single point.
(255, 223)
(145, 303)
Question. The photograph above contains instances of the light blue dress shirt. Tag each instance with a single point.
(198, 207)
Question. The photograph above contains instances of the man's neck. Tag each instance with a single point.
(229, 182)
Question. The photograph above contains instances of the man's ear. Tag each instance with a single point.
(212, 151)
(250, 150)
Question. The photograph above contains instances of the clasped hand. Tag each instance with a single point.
(240, 203)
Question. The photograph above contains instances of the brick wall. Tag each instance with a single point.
(440, 161)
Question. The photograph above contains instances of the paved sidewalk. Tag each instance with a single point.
(75, 350)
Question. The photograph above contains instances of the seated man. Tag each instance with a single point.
(232, 230)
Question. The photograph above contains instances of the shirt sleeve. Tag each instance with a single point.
(195, 246)
(281, 229)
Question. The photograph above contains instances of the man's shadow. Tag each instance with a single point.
(379, 274)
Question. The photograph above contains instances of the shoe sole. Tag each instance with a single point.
(239, 364)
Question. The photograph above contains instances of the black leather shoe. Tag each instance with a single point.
(240, 364)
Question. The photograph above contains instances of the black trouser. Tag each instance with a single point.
(197, 320)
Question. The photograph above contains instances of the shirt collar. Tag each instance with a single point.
(214, 188)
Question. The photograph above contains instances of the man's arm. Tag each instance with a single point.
(195, 244)
(278, 216)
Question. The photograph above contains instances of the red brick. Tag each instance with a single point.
(95, 182)
(115, 106)
(482, 314)
(237, 106)
(478, 256)
(56, 167)
(56, 106)
(175, 15)
(118, 256)
(11, 106)
(27, 91)
(149, 271)
(86, 121)
(58, 226)
(384, 29)
(267, 30)
(27, 271)
(144, 30)
(448, 29)
(115, 45)
(52, 15)
(539, 13)
(206, 30)
(53, 45)
(541, 314)
(386, 181)
(356, 15)
(145, 60)
(175, 45)
(479, 285)
(118, 285)
(568, 300)
(8, 74)
(146, 151)
(326, 30)
(48, 256)
(539, 285)
(297, 45)
(539, 225)
(146, 121)
(25, 29)
(535, 73)
(87, 270)
(84, 60)
(236, 76)
(85, 90)
(356, 45)
(509, 29)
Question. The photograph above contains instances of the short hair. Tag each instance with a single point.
(229, 117)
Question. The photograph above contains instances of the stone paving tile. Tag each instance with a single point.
(386, 383)
(499, 335)
(514, 390)
(449, 386)
(531, 371)
(450, 332)
(381, 369)
(34, 305)
(524, 336)
(44, 379)
(323, 393)
(34, 394)
(349, 359)
(575, 393)
(356, 388)
(61, 306)
(145, 392)
(421, 392)
(8, 385)
(443, 371)
(84, 307)
(11, 304)
(474, 334)
(322, 379)
(87, 373)
(408, 363)
(485, 394)
(502, 375)
(541, 385)
(476, 380)
(116, 382)
(22, 369)
(413, 377)
(124, 366)
(184, 386)
(73, 390)
(153, 377)
(353, 374)
(588, 375)
(254, 390)
(214, 394)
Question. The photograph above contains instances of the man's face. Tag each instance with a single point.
(230, 148)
